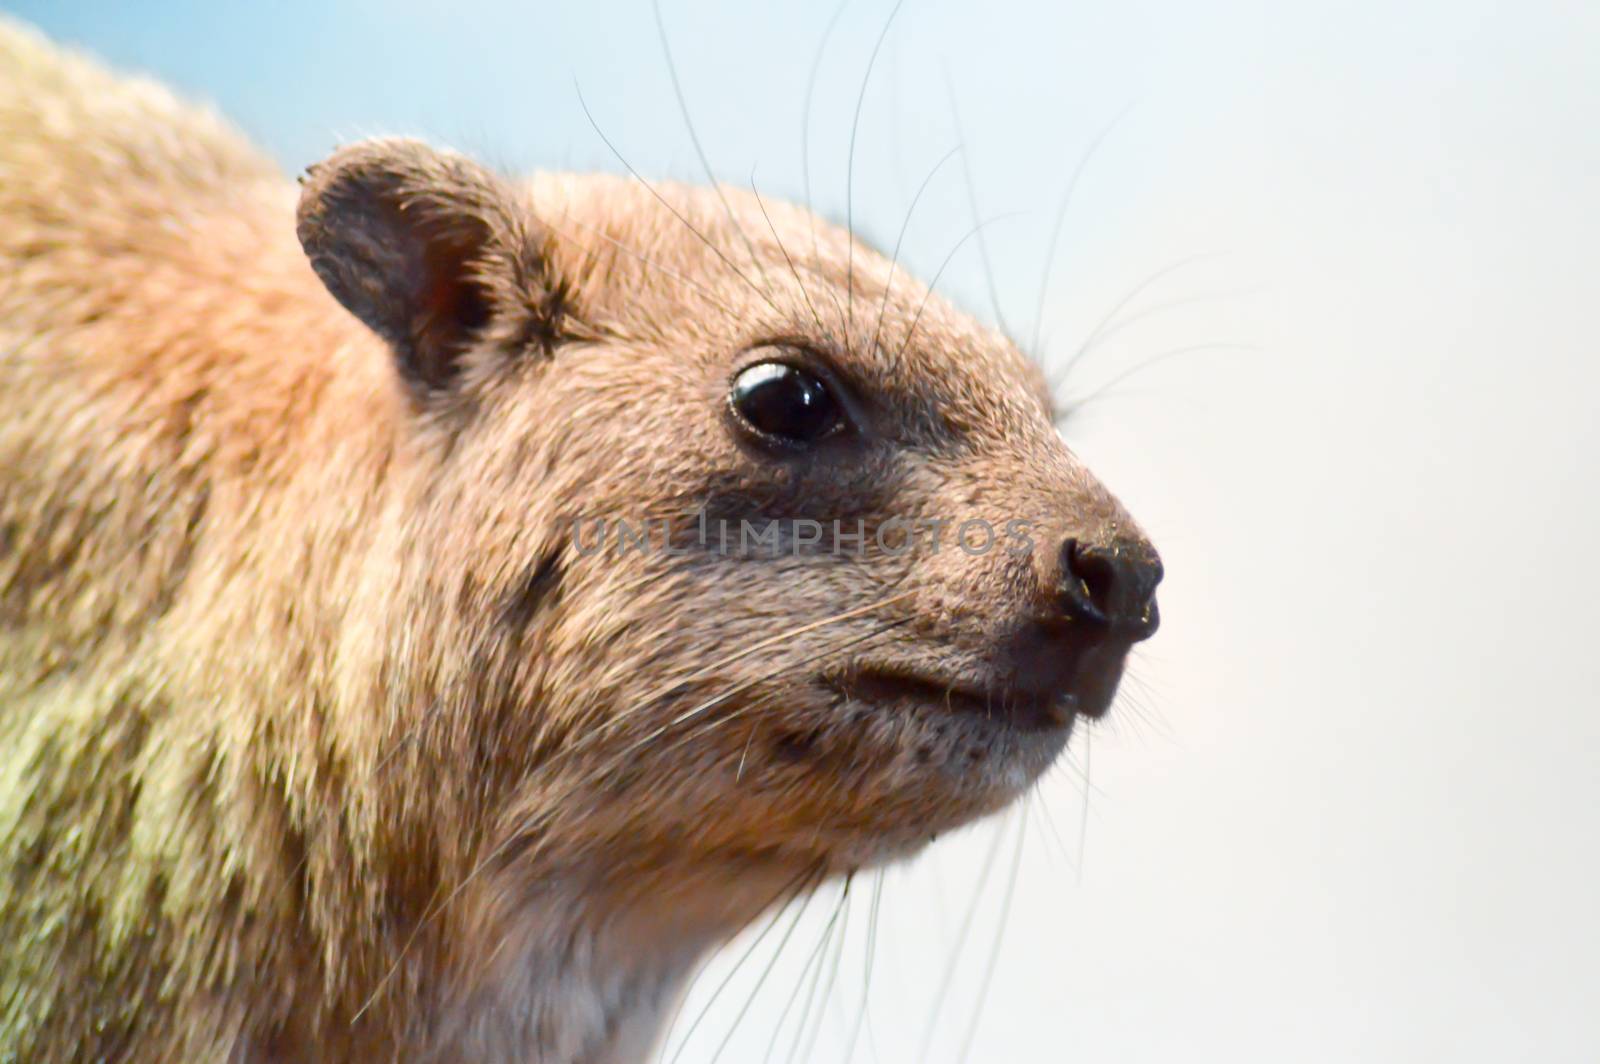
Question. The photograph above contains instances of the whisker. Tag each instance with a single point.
(1061, 217)
(428, 716)
(1059, 376)
(940, 273)
(738, 775)
(1162, 308)
(405, 949)
(761, 980)
(661, 1050)
(1067, 765)
(1073, 405)
(1088, 788)
(621, 757)
(1144, 697)
(960, 943)
(866, 982)
(694, 138)
(1050, 824)
(806, 972)
(894, 260)
(668, 205)
(712, 703)
(805, 122)
(701, 289)
(833, 974)
(660, 1054)
(744, 957)
(1130, 717)
(513, 838)
(850, 175)
(685, 739)
(786, 636)
(804, 293)
(805, 148)
(972, 202)
(994, 951)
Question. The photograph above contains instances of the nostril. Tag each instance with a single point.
(1112, 586)
(1096, 571)
(1086, 581)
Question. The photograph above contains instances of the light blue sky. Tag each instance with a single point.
(1350, 807)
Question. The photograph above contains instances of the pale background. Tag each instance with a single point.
(1349, 809)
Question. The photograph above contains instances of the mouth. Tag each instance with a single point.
(1028, 693)
(1017, 708)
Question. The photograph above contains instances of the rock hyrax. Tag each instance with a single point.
(327, 737)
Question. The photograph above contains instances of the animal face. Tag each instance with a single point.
(733, 531)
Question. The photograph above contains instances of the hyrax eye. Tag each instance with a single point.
(785, 403)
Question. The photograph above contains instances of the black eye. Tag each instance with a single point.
(785, 402)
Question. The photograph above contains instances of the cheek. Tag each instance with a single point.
(669, 403)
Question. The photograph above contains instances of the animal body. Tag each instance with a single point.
(323, 738)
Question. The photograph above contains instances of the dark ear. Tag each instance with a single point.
(426, 247)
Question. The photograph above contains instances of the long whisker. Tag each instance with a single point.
(972, 202)
(812, 971)
(704, 707)
(970, 233)
(1147, 702)
(960, 943)
(739, 964)
(1067, 766)
(1130, 320)
(833, 975)
(761, 980)
(850, 174)
(688, 737)
(866, 981)
(999, 938)
(700, 969)
(804, 292)
(705, 292)
(1061, 217)
(660, 1054)
(787, 635)
(1073, 405)
(1088, 788)
(894, 259)
(1049, 819)
(668, 205)
(622, 756)
(694, 138)
(805, 121)
(1060, 375)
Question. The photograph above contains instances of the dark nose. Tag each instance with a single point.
(1112, 586)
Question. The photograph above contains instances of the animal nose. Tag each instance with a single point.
(1112, 586)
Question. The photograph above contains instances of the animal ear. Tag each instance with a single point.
(426, 247)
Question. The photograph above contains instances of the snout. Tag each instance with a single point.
(1098, 598)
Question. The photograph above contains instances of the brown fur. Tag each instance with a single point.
(320, 739)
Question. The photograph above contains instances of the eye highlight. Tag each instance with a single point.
(785, 403)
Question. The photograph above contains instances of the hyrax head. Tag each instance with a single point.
(731, 531)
